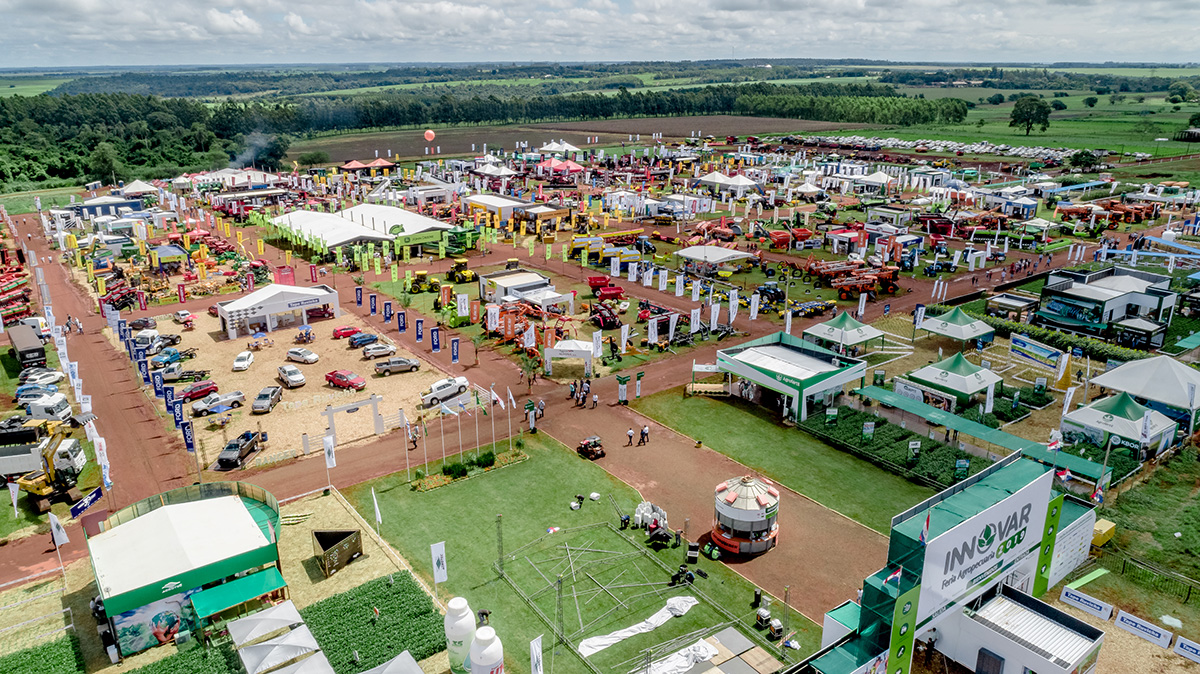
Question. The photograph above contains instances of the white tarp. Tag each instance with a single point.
(682, 660)
(245, 630)
(316, 663)
(270, 654)
(401, 664)
(1161, 379)
(676, 607)
(712, 254)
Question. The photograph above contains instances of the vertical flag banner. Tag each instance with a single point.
(438, 552)
(435, 339)
(358, 296)
(401, 321)
(420, 329)
(374, 303)
(330, 458)
(453, 349)
(535, 656)
(378, 517)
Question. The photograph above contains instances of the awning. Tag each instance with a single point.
(953, 422)
(227, 595)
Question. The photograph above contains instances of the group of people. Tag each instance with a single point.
(643, 437)
(75, 324)
(580, 390)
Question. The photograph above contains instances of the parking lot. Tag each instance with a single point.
(299, 411)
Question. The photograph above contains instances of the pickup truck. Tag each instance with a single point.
(171, 355)
(266, 400)
(235, 453)
(396, 364)
(175, 372)
(203, 407)
(153, 342)
(345, 379)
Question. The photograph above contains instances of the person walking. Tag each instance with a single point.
(541, 408)
(595, 400)
(629, 434)
(572, 389)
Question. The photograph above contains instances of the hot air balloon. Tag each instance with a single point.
(429, 135)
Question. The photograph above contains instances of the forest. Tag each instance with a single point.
(1033, 78)
(50, 139)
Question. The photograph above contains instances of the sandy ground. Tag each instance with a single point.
(1123, 652)
(298, 413)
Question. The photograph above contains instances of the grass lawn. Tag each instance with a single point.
(532, 496)
(24, 202)
(748, 434)
(1149, 515)
(29, 85)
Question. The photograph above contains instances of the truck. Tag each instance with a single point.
(22, 444)
(175, 372)
(171, 355)
(266, 399)
(60, 461)
(27, 347)
(53, 407)
(235, 452)
(153, 342)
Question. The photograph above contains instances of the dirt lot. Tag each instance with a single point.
(297, 414)
(453, 141)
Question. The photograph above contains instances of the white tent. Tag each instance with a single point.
(843, 330)
(262, 657)
(571, 348)
(878, 179)
(401, 664)
(1161, 379)
(138, 187)
(712, 254)
(254, 627)
(957, 325)
(956, 374)
(714, 179)
(809, 188)
(316, 663)
(740, 181)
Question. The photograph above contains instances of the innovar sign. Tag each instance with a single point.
(1010, 531)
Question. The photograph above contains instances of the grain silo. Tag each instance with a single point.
(747, 510)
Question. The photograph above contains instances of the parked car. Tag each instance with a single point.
(302, 355)
(146, 323)
(291, 376)
(267, 399)
(212, 310)
(345, 331)
(31, 371)
(203, 407)
(378, 350)
(396, 364)
(238, 449)
(345, 379)
(198, 390)
(45, 378)
(31, 388)
(444, 389)
(33, 394)
(363, 339)
(319, 312)
(182, 316)
(243, 361)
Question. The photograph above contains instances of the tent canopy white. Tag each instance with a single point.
(570, 348)
(714, 179)
(1120, 415)
(740, 181)
(267, 655)
(712, 254)
(137, 187)
(316, 663)
(844, 330)
(254, 627)
(809, 188)
(957, 325)
(879, 178)
(401, 664)
(1161, 379)
(958, 374)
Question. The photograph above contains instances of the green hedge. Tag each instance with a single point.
(888, 447)
(1059, 340)
(61, 656)
(218, 660)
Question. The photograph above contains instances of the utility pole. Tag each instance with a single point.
(787, 611)
(500, 544)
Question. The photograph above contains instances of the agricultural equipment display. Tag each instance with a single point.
(459, 273)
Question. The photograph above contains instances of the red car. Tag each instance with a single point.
(345, 379)
(198, 390)
(320, 312)
(212, 310)
(345, 331)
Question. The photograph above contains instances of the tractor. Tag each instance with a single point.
(459, 273)
(939, 266)
(771, 292)
(422, 283)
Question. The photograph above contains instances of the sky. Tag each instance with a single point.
(49, 33)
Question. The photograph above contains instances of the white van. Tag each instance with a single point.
(39, 324)
(50, 407)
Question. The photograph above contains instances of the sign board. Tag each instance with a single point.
(1086, 603)
(868, 430)
(86, 502)
(1035, 352)
(962, 467)
(962, 561)
(831, 416)
(1187, 648)
(914, 447)
(1146, 630)
(914, 391)
(878, 378)
(189, 437)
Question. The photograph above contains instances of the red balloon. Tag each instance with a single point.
(429, 135)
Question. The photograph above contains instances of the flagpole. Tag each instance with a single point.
(509, 420)
(61, 568)
(442, 416)
(491, 403)
(407, 437)
(458, 417)
(425, 446)
(477, 426)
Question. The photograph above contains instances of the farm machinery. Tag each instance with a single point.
(14, 298)
(603, 288)
(459, 273)
(869, 281)
(421, 282)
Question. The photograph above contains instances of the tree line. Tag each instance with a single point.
(116, 135)
(1032, 78)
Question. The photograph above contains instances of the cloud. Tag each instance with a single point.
(163, 32)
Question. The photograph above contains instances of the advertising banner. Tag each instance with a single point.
(914, 391)
(420, 330)
(401, 321)
(1146, 630)
(1035, 352)
(177, 412)
(358, 296)
(387, 311)
(1187, 648)
(155, 623)
(156, 378)
(453, 349)
(374, 303)
(143, 370)
(961, 561)
(435, 339)
(1086, 603)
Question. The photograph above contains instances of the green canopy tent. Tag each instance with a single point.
(843, 330)
(1121, 419)
(956, 375)
(957, 325)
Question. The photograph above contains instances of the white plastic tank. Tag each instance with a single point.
(487, 653)
(460, 633)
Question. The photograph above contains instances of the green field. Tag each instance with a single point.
(29, 85)
(514, 81)
(748, 434)
(23, 202)
(1150, 515)
(532, 496)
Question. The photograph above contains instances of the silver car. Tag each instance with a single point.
(291, 376)
(203, 407)
(378, 350)
(301, 355)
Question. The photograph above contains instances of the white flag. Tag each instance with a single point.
(1191, 389)
(624, 337)
(696, 290)
(862, 305)
(597, 338)
(13, 490)
(378, 517)
(679, 286)
(330, 459)
(57, 532)
(714, 316)
(662, 280)
(530, 338)
(754, 306)
(991, 399)
(535, 655)
(733, 305)
(787, 321)
(438, 551)
(510, 398)
(1146, 427)
(672, 321)
(1067, 400)
(694, 323)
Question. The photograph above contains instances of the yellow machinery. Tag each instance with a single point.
(62, 461)
(459, 273)
(423, 283)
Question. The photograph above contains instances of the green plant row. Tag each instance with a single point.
(346, 624)
(1063, 341)
(61, 656)
(889, 446)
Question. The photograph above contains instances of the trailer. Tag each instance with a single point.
(27, 347)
